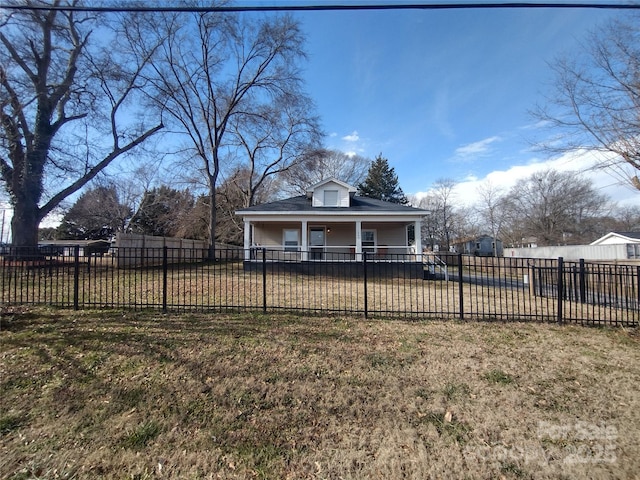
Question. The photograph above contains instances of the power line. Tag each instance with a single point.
(334, 7)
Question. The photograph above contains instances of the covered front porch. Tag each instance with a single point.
(332, 241)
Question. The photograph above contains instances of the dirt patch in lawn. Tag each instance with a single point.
(142, 395)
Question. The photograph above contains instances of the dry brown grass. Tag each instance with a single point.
(143, 395)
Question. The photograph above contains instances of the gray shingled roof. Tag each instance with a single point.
(629, 234)
(358, 204)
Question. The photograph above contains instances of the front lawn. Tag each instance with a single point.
(107, 394)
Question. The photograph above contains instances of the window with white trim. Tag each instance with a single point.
(291, 240)
(331, 198)
(369, 241)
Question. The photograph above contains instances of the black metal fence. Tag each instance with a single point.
(415, 286)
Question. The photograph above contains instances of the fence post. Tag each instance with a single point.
(532, 279)
(460, 289)
(76, 277)
(366, 296)
(638, 284)
(165, 271)
(560, 287)
(264, 280)
(583, 282)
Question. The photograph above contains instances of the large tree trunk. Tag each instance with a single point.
(45, 86)
(24, 224)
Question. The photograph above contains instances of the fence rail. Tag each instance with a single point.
(398, 285)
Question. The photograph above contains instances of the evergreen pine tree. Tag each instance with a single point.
(97, 214)
(382, 183)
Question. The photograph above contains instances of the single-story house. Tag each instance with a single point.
(481, 246)
(614, 246)
(617, 238)
(67, 248)
(332, 223)
(630, 240)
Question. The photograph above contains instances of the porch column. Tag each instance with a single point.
(418, 239)
(247, 240)
(304, 240)
(358, 240)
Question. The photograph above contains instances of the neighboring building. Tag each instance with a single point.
(331, 223)
(630, 241)
(529, 242)
(616, 238)
(614, 246)
(481, 246)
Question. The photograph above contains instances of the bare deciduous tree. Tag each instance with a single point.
(439, 225)
(65, 107)
(596, 102)
(320, 164)
(272, 139)
(215, 69)
(492, 210)
(553, 206)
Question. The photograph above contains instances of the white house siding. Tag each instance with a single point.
(343, 195)
(574, 252)
(341, 235)
(390, 235)
(269, 235)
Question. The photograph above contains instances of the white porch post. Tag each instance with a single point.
(358, 240)
(418, 239)
(304, 240)
(247, 240)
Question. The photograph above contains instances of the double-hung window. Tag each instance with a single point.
(369, 241)
(291, 240)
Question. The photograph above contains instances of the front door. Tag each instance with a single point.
(316, 243)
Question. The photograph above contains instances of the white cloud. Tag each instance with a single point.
(353, 137)
(466, 191)
(475, 149)
(536, 126)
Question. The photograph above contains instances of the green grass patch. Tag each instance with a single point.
(449, 427)
(456, 391)
(10, 422)
(498, 376)
(142, 435)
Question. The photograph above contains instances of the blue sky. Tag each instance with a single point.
(443, 93)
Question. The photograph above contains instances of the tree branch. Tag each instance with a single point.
(87, 177)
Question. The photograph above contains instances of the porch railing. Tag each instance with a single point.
(332, 253)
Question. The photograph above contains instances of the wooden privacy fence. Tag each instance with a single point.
(412, 286)
(134, 250)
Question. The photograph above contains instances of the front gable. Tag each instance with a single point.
(331, 193)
